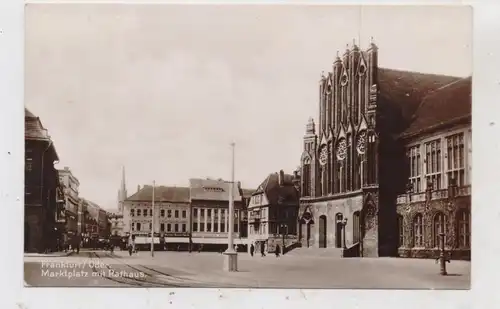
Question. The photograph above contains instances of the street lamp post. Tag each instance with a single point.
(153, 222)
(284, 227)
(231, 256)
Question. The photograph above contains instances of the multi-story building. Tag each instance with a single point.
(439, 151)
(95, 221)
(353, 170)
(210, 217)
(72, 202)
(171, 216)
(273, 212)
(43, 206)
(116, 224)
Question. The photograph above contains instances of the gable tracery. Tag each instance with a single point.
(344, 153)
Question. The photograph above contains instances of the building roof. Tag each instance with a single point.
(162, 194)
(277, 194)
(247, 193)
(408, 89)
(212, 190)
(450, 103)
(34, 130)
(401, 93)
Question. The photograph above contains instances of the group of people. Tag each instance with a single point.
(263, 249)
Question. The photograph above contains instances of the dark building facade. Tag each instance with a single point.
(355, 164)
(44, 208)
(273, 212)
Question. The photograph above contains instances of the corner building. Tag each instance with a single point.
(354, 166)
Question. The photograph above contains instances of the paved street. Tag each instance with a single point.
(181, 269)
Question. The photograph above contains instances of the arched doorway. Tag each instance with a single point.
(305, 228)
(338, 230)
(26, 236)
(322, 231)
(356, 227)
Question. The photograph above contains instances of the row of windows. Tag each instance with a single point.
(211, 212)
(212, 228)
(440, 225)
(170, 227)
(162, 213)
(431, 169)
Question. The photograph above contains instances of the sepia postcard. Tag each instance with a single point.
(248, 146)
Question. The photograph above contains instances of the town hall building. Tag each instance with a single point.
(388, 166)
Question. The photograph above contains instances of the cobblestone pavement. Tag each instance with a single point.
(182, 269)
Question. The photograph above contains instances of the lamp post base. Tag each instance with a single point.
(230, 260)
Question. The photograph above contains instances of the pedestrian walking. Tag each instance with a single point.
(262, 249)
(277, 250)
(252, 249)
(77, 244)
(131, 246)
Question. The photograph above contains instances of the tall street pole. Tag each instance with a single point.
(231, 256)
(230, 242)
(153, 222)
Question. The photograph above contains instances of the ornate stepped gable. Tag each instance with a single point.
(358, 104)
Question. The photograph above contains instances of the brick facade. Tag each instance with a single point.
(357, 163)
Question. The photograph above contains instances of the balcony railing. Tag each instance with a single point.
(435, 195)
(439, 194)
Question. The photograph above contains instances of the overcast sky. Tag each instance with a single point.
(163, 89)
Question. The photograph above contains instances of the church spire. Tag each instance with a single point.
(122, 193)
(123, 186)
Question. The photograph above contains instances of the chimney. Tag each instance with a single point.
(281, 178)
(138, 188)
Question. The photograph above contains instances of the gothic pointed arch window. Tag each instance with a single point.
(418, 231)
(371, 156)
(330, 167)
(361, 166)
(464, 229)
(341, 154)
(401, 231)
(439, 226)
(306, 177)
(356, 227)
(349, 163)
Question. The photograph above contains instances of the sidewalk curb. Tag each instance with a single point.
(47, 255)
